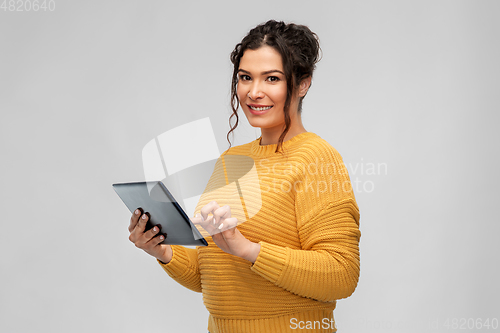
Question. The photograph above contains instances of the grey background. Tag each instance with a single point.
(410, 85)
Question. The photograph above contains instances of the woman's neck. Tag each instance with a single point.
(271, 136)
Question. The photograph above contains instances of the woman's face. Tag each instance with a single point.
(262, 88)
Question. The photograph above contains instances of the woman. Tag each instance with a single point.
(285, 267)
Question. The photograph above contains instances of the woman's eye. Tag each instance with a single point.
(273, 78)
(244, 77)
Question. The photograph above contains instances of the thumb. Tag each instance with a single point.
(228, 228)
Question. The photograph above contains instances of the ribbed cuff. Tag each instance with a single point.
(178, 264)
(270, 262)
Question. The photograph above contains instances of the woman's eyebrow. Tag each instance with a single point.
(263, 73)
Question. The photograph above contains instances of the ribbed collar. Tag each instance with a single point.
(269, 150)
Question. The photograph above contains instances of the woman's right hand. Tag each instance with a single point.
(149, 241)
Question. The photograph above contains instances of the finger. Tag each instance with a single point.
(229, 223)
(215, 227)
(205, 223)
(209, 208)
(219, 217)
(151, 233)
(141, 225)
(161, 238)
(220, 241)
(221, 214)
(139, 236)
(134, 219)
(149, 245)
(157, 240)
(197, 219)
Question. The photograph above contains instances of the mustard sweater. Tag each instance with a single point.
(307, 222)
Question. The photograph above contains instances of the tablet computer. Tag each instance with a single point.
(155, 198)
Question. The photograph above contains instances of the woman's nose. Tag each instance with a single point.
(255, 92)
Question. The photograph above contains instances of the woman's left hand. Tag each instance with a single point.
(222, 227)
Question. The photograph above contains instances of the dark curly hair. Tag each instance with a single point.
(299, 50)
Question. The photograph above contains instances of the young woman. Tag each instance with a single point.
(285, 267)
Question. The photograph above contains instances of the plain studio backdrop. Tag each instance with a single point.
(407, 92)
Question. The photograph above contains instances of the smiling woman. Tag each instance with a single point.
(297, 251)
(274, 64)
(262, 92)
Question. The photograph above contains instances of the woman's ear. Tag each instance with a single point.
(304, 86)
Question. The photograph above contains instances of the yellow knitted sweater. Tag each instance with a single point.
(308, 228)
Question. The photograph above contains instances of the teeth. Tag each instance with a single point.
(261, 109)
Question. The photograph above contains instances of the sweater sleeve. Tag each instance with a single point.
(327, 266)
(184, 268)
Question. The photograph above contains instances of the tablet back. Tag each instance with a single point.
(154, 198)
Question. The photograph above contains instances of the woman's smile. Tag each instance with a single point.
(259, 109)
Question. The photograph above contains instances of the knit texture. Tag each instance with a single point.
(308, 228)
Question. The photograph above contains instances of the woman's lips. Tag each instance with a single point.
(259, 109)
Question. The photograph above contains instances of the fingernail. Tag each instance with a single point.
(144, 216)
(155, 229)
(221, 225)
(136, 212)
(161, 237)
